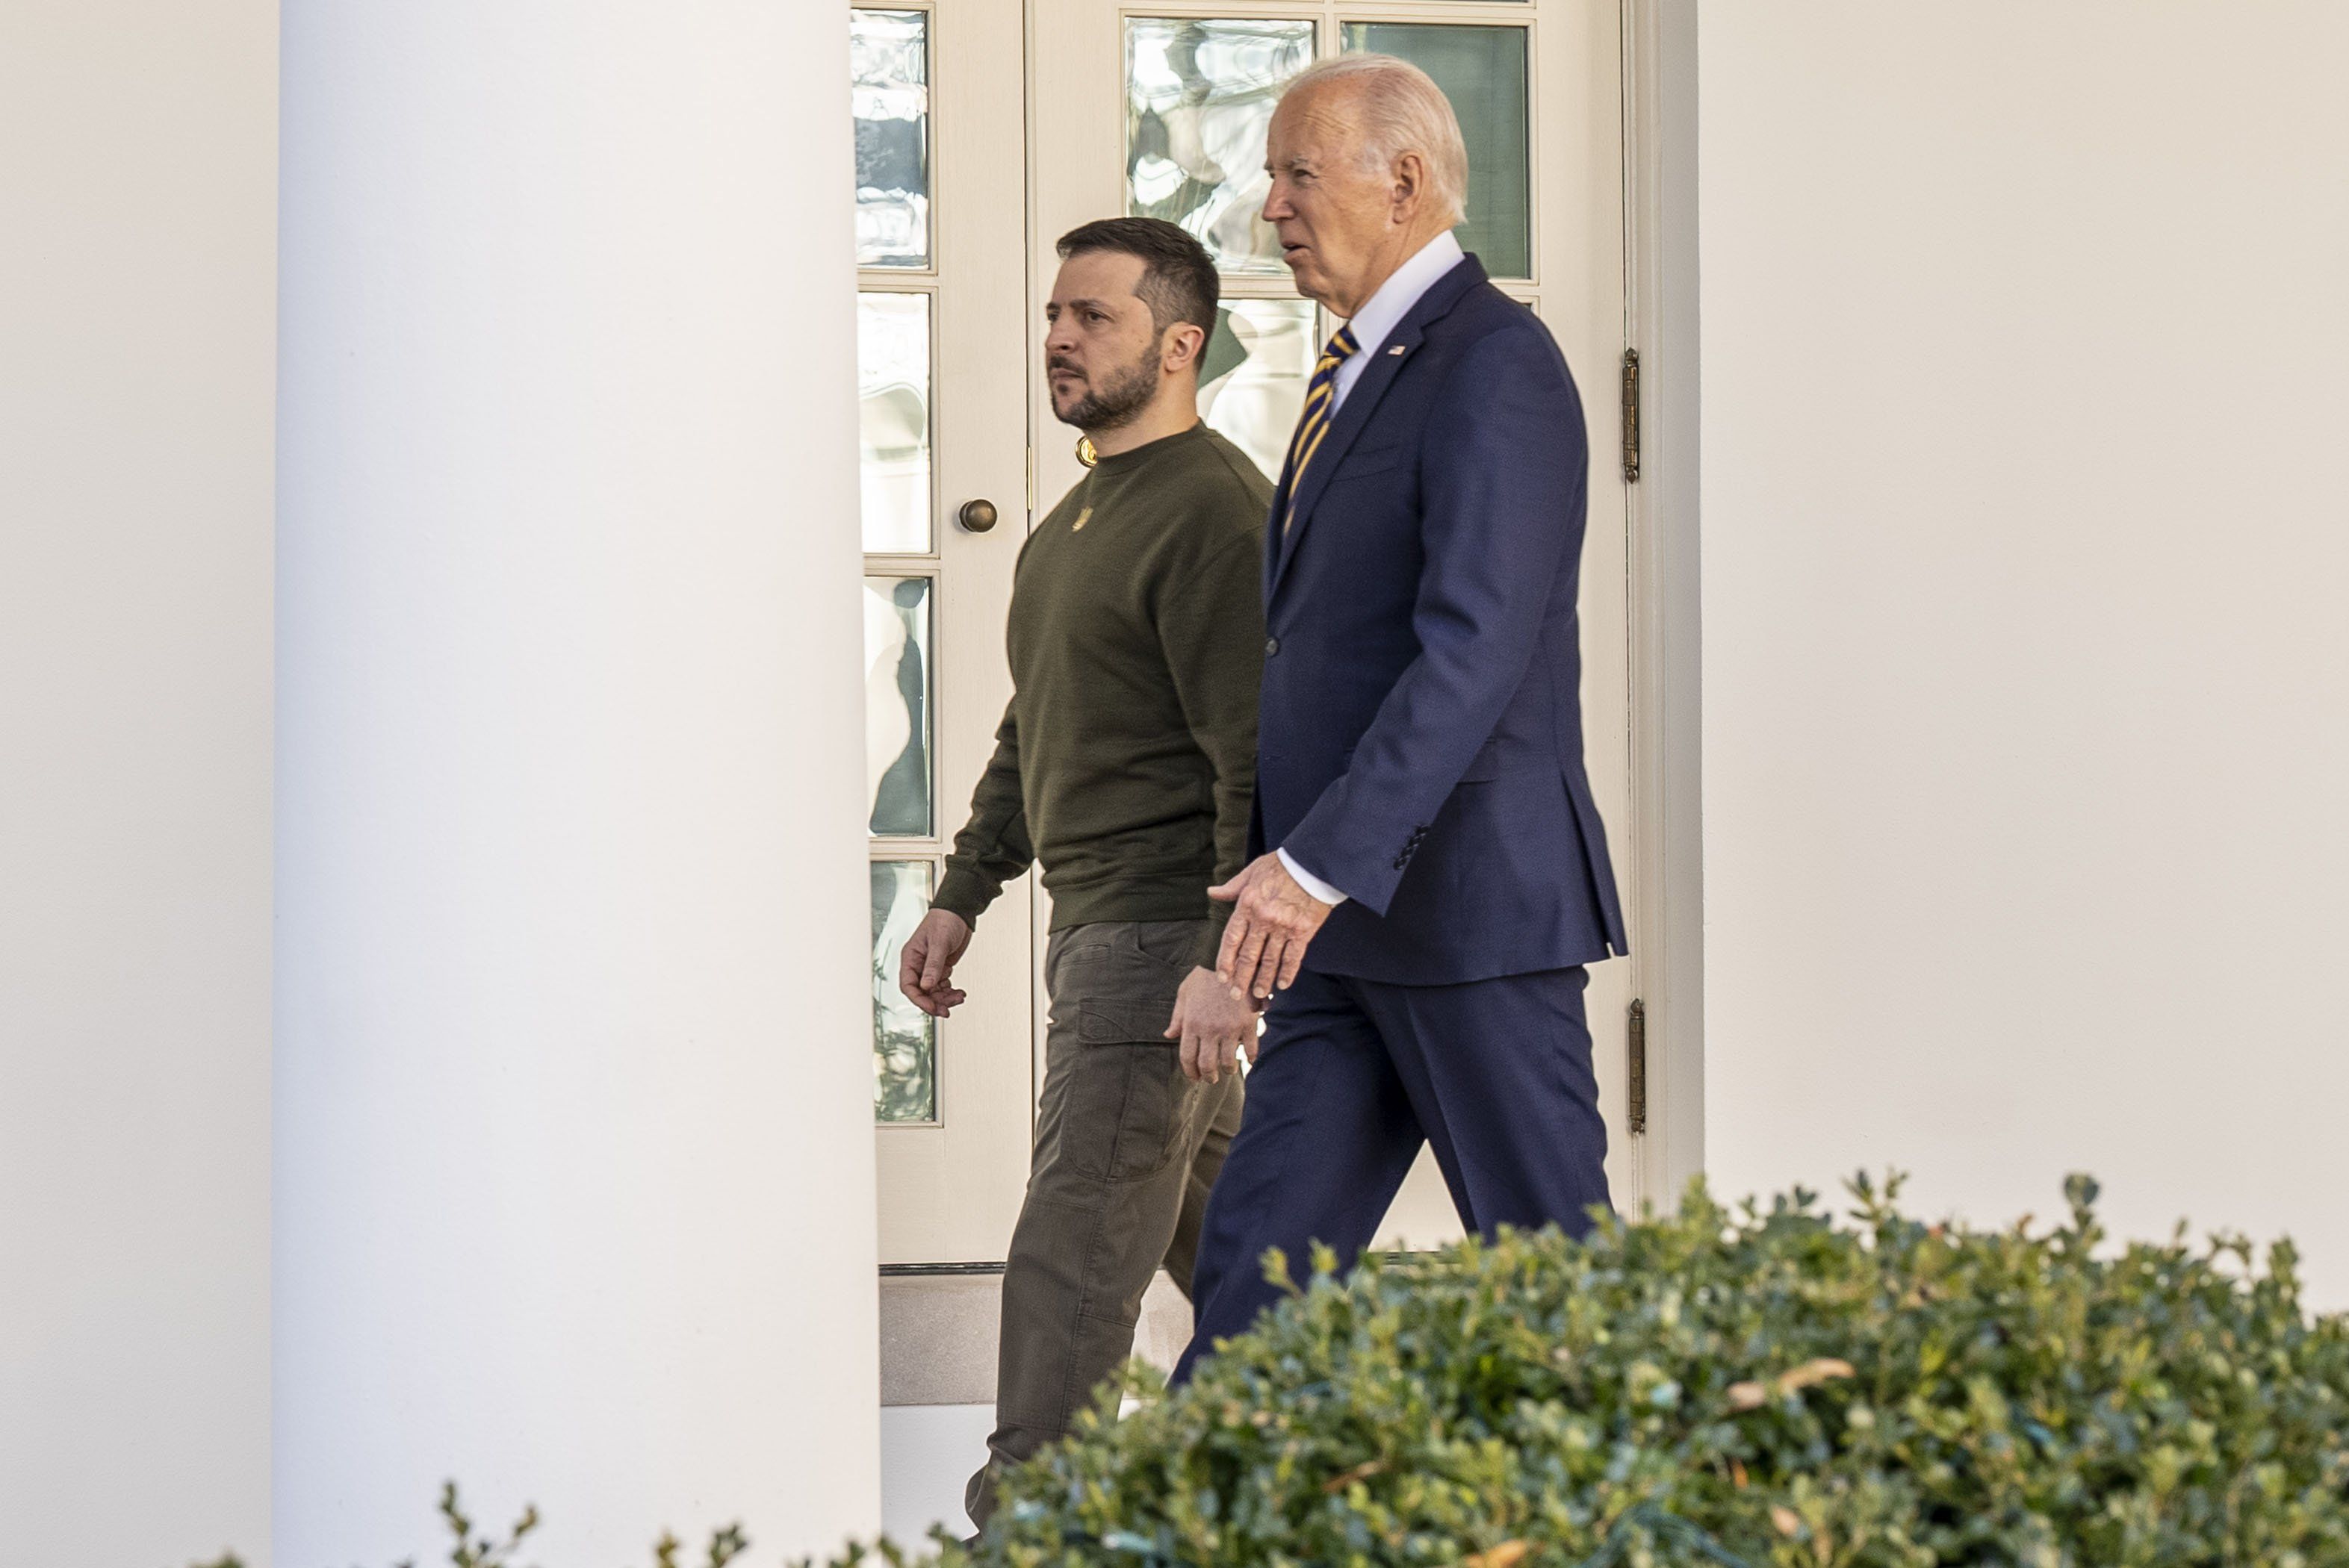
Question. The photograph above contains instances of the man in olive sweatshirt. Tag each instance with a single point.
(1126, 768)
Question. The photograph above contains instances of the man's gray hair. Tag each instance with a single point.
(1403, 110)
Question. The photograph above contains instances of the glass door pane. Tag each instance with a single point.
(898, 679)
(904, 1038)
(1252, 378)
(1199, 93)
(889, 90)
(1483, 71)
(893, 387)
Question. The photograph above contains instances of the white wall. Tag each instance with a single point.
(2026, 658)
(137, 174)
(574, 1134)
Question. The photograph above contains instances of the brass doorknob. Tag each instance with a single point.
(977, 516)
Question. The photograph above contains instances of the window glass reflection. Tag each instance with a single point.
(897, 688)
(904, 1038)
(1253, 375)
(889, 93)
(893, 389)
(1199, 95)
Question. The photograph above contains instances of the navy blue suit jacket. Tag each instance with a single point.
(1419, 743)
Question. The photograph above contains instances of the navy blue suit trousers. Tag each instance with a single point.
(1353, 1076)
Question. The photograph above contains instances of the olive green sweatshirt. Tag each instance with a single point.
(1126, 764)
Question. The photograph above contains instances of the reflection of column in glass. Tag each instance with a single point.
(904, 1040)
(1255, 403)
(896, 703)
(893, 383)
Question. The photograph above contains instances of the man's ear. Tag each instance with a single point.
(1410, 183)
(1183, 347)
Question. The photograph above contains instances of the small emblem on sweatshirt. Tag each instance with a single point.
(1083, 517)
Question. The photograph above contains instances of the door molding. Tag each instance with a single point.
(1662, 515)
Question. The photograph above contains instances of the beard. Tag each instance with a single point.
(1119, 399)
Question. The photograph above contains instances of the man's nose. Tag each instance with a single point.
(1276, 204)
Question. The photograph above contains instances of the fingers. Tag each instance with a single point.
(1271, 954)
(1200, 1052)
(937, 1004)
(1186, 1043)
(923, 973)
(1187, 1037)
(1292, 962)
(1244, 963)
(909, 976)
(1228, 955)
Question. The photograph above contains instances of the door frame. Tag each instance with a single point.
(1657, 43)
(1662, 515)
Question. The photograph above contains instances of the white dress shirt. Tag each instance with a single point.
(1379, 315)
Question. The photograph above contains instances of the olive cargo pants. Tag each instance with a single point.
(1126, 1149)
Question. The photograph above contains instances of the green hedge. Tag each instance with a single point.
(1750, 1387)
(1729, 1388)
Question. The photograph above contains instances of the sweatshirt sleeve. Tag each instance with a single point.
(993, 846)
(1211, 626)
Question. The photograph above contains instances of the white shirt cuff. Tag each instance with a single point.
(1308, 882)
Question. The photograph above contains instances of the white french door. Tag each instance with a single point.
(943, 345)
(1159, 109)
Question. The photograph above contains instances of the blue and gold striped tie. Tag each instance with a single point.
(1320, 401)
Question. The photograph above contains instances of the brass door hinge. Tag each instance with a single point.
(1630, 416)
(1635, 1118)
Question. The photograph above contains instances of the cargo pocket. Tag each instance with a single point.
(1173, 943)
(1129, 1109)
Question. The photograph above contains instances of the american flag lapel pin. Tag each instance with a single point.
(1396, 352)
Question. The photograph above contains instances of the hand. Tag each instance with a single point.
(1264, 944)
(925, 973)
(1213, 1025)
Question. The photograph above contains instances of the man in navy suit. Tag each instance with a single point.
(1429, 876)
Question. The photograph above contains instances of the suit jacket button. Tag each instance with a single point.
(1271, 646)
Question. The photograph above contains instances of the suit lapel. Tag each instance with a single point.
(1386, 362)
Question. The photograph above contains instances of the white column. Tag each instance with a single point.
(573, 1184)
(138, 301)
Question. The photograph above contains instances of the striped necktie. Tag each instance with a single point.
(1320, 403)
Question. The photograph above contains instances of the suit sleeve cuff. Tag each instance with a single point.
(1308, 882)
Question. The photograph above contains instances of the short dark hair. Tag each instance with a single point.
(1178, 277)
